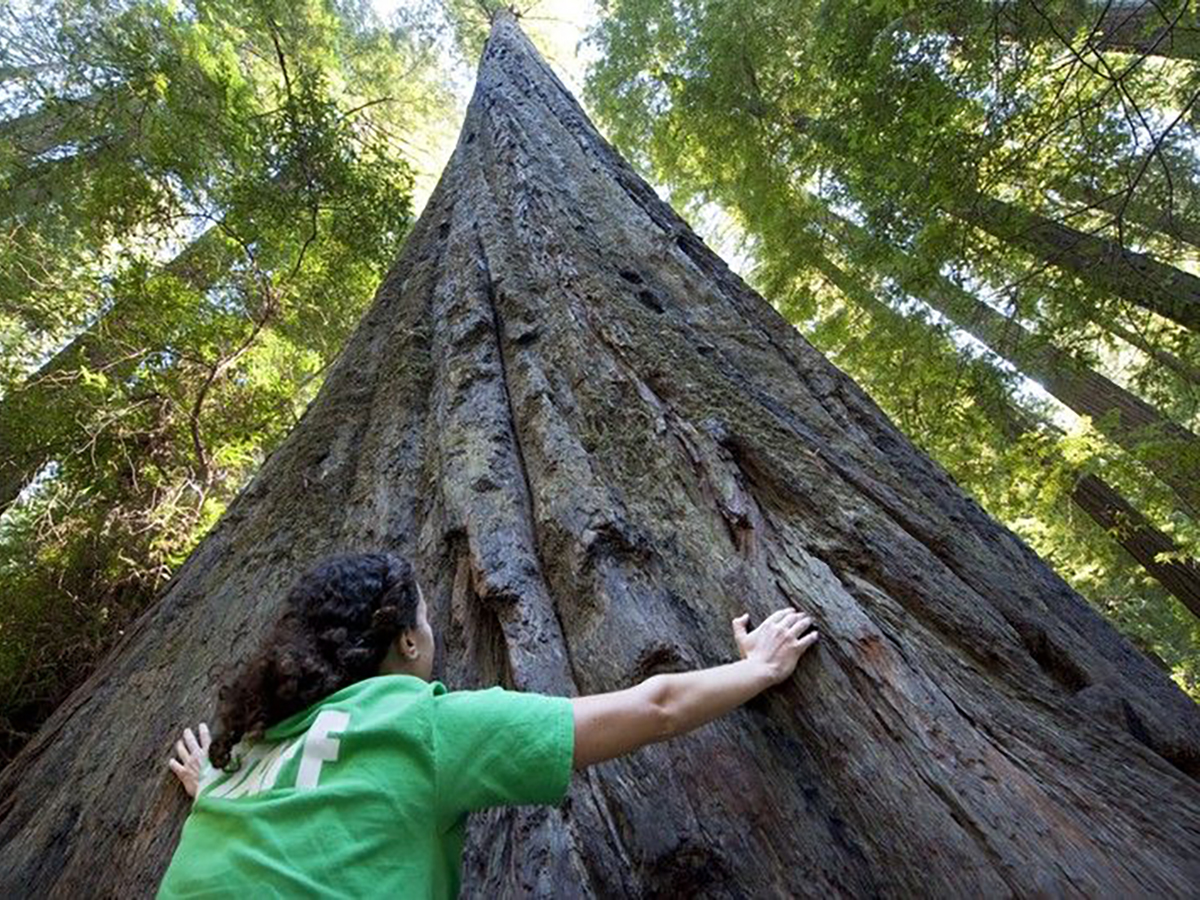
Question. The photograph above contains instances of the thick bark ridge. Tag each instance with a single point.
(598, 446)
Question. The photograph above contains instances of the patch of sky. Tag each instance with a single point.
(37, 485)
(1024, 387)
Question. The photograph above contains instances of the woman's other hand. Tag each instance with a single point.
(193, 755)
(777, 643)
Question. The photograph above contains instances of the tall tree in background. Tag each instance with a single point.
(1152, 549)
(201, 200)
(1034, 192)
(598, 445)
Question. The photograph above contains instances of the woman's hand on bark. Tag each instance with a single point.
(777, 643)
(193, 756)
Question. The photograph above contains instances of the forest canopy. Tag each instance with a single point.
(198, 201)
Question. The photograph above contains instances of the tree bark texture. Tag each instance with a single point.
(1119, 414)
(1094, 496)
(598, 445)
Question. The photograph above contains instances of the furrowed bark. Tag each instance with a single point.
(598, 445)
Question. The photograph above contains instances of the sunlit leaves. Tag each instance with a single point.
(220, 188)
(899, 115)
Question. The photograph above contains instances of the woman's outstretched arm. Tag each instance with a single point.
(664, 706)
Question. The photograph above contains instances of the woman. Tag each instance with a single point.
(340, 769)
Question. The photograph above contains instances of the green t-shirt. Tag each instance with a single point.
(366, 793)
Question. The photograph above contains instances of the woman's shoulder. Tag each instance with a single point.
(381, 696)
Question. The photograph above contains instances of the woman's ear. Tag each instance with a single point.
(407, 646)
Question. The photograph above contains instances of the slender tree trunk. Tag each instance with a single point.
(38, 420)
(1144, 542)
(1141, 28)
(598, 445)
(1165, 358)
(1137, 210)
(1102, 503)
(32, 134)
(1178, 575)
(1138, 27)
(55, 180)
(1139, 278)
(1123, 417)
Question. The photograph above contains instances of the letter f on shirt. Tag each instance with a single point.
(319, 747)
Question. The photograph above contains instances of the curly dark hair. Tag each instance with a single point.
(338, 621)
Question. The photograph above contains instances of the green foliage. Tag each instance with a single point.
(220, 187)
(900, 116)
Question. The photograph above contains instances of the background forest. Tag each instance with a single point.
(988, 214)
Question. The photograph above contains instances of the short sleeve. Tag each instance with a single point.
(500, 748)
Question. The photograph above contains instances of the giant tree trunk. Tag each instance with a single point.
(1100, 501)
(1120, 415)
(598, 446)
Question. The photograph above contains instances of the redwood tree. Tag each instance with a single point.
(598, 445)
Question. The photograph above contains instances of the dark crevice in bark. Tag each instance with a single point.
(477, 626)
(1054, 660)
(605, 812)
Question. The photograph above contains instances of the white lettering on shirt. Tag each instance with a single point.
(249, 764)
(263, 763)
(266, 770)
(319, 747)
